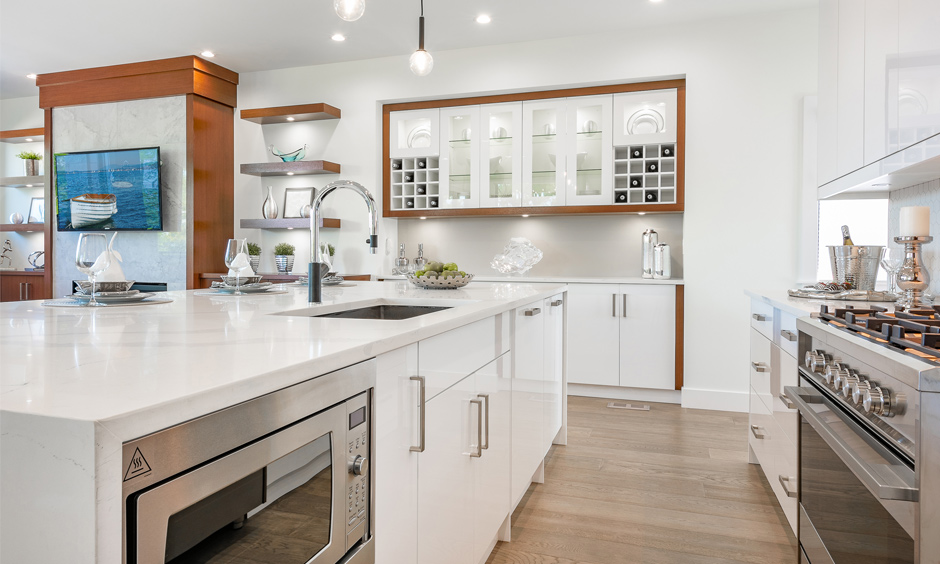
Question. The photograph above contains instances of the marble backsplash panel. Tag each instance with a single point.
(926, 194)
(158, 122)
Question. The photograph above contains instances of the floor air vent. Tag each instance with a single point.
(625, 405)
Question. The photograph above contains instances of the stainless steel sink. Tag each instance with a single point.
(384, 311)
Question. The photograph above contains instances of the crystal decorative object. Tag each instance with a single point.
(297, 155)
(519, 256)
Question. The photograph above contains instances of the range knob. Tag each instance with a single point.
(360, 466)
(817, 360)
(880, 401)
(834, 371)
(847, 383)
(858, 391)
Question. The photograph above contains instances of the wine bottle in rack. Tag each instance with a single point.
(846, 238)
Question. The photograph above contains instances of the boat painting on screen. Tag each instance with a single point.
(109, 190)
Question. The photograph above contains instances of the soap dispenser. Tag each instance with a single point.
(420, 263)
(401, 263)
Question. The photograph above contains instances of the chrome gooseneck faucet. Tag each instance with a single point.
(315, 268)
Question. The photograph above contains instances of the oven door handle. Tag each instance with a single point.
(881, 479)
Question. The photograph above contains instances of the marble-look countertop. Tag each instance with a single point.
(144, 368)
(564, 279)
(802, 306)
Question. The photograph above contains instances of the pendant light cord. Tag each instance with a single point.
(421, 28)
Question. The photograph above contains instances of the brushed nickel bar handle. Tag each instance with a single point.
(21, 291)
(785, 481)
(27, 284)
(786, 401)
(758, 367)
(479, 452)
(486, 434)
(788, 335)
(532, 312)
(756, 434)
(556, 303)
(624, 305)
(421, 417)
(613, 305)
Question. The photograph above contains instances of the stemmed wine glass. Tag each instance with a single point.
(891, 261)
(236, 259)
(92, 258)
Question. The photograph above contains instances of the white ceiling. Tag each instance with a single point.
(253, 35)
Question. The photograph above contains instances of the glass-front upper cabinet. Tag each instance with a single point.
(460, 157)
(414, 133)
(501, 155)
(590, 150)
(543, 165)
(648, 116)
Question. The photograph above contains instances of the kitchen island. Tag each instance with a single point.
(79, 382)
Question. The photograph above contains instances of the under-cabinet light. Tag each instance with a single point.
(29, 185)
(290, 119)
(290, 174)
(641, 213)
(525, 215)
(422, 217)
(29, 139)
(31, 76)
(290, 228)
(483, 19)
(208, 54)
(338, 37)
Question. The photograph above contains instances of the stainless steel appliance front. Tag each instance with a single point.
(284, 477)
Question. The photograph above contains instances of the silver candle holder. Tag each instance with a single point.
(913, 278)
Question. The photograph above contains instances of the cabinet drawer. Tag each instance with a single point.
(760, 367)
(784, 479)
(759, 421)
(762, 318)
(786, 418)
(447, 358)
(787, 336)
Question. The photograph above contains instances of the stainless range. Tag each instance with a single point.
(869, 403)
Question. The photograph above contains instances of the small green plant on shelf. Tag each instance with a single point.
(254, 249)
(283, 249)
(29, 156)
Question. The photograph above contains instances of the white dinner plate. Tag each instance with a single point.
(112, 299)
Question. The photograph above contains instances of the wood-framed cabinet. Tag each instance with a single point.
(22, 286)
(553, 152)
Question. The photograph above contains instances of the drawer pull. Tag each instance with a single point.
(758, 317)
(556, 303)
(421, 413)
(758, 434)
(758, 367)
(786, 401)
(613, 305)
(532, 312)
(788, 335)
(785, 482)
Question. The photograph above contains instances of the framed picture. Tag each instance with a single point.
(295, 199)
(37, 211)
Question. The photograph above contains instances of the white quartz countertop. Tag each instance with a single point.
(143, 368)
(802, 306)
(565, 280)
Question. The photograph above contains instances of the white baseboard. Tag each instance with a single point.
(719, 400)
(616, 392)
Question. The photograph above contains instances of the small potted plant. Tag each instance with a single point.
(284, 257)
(254, 256)
(32, 162)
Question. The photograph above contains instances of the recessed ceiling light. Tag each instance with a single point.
(656, 1)
(32, 76)
(483, 19)
(209, 54)
(338, 37)
(290, 119)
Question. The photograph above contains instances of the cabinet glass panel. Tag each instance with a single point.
(414, 133)
(501, 155)
(460, 157)
(590, 150)
(544, 161)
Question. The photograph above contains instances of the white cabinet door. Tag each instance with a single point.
(828, 109)
(414, 133)
(918, 81)
(445, 474)
(594, 339)
(543, 153)
(527, 395)
(501, 155)
(492, 470)
(645, 117)
(648, 336)
(881, 50)
(851, 87)
(590, 150)
(460, 157)
(396, 426)
(554, 308)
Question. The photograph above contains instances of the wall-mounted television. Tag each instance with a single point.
(116, 190)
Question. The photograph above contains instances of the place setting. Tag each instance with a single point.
(241, 279)
(95, 257)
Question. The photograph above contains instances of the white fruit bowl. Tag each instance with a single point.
(440, 282)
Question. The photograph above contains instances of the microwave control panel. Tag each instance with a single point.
(358, 452)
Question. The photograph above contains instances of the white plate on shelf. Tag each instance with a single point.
(646, 121)
(419, 138)
(123, 298)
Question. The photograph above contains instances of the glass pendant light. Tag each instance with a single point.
(421, 61)
(349, 10)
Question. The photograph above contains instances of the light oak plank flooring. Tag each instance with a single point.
(664, 486)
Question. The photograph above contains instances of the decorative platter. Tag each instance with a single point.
(440, 282)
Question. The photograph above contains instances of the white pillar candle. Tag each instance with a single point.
(915, 221)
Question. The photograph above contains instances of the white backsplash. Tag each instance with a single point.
(926, 194)
(158, 122)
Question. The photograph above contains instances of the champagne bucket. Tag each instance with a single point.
(855, 264)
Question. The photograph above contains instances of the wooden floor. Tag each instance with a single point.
(669, 485)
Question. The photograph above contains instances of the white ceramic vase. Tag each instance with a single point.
(269, 208)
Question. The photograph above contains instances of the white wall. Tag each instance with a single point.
(746, 78)
(19, 113)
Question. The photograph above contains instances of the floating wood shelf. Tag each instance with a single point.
(21, 135)
(22, 272)
(305, 112)
(23, 181)
(298, 168)
(22, 227)
(288, 223)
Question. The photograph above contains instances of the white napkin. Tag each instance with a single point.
(97, 267)
(113, 273)
(241, 264)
